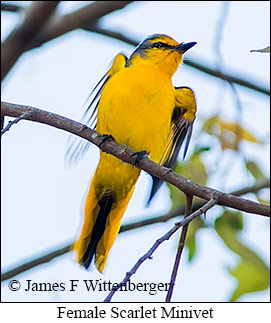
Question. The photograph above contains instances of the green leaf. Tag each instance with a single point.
(261, 200)
(200, 149)
(256, 172)
(251, 272)
(234, 220)
(229, 134)
(210, 125)
(254, 169)
(251, 278)
(262, 50)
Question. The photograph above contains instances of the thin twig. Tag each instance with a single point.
(189, 201)
(25, 115)
(48, 256)
(220, 25)
(35, 262)
(158, 242)
(260, 184)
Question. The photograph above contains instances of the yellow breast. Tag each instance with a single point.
(136, 107)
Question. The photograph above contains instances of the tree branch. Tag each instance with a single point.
(35, 262)
(11, 123)
(87, 17)
(48, 256)
(15, 44)
(10, 7)
(77, 19)
(149, 253)
(192, 63)
(189, 201)
(127, 155)
(260, 184)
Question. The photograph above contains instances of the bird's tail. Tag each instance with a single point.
(103, 212)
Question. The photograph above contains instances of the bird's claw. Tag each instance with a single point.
(105, 138)
(139, 155)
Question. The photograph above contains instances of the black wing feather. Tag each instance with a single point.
(182, 126)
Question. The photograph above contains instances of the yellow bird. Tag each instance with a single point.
(140, 108)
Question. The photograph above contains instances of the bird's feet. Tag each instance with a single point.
(105, 138)
(139, 155)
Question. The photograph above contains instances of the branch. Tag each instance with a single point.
(29, 34)
(87, 17)
(36, 262)
(176, 212)
(48, 256)
(192, 63)
(77, 19)
(10, 7)
(127, 155)
(112, 34)
(11, 123)
(189, 200)
(15, 44)
(159, 241)
(227, 77)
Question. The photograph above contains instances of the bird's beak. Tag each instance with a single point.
(183, 47)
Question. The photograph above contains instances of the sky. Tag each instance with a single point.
(43, 199)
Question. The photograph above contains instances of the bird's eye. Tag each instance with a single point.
(158, 45)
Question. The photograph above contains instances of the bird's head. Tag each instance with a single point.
(162, 50)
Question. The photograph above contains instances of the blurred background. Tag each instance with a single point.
(228, 253)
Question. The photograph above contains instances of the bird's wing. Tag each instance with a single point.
(77, 147)
(182, 120)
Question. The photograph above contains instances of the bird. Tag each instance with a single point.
(136, 104)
